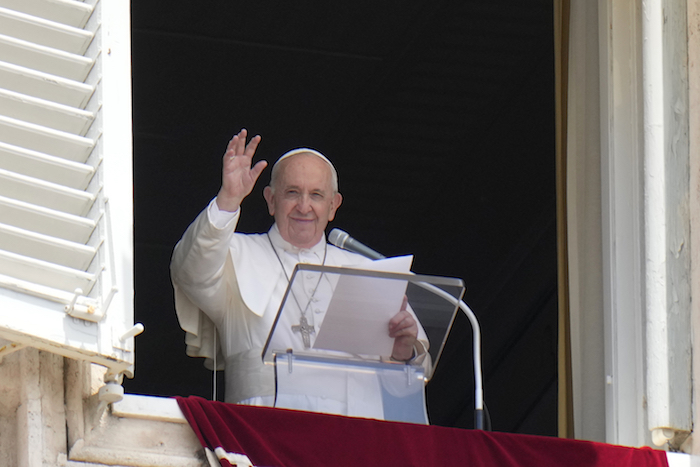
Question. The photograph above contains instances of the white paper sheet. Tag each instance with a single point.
(357, 319)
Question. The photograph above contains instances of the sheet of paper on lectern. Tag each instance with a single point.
(357, 319)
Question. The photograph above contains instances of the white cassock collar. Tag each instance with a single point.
(299, 254)
(255, 255)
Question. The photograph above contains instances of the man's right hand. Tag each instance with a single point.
(238, 177)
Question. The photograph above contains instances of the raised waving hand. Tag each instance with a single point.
(237, 176)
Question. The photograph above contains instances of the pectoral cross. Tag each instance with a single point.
(306, 330)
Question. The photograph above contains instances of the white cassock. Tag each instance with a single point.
(236, 282)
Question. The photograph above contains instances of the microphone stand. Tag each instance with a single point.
(479, 421)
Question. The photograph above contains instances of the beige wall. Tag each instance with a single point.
(694, 137)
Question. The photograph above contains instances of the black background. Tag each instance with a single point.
(439, 116)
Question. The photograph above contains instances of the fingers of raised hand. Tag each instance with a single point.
(237, 143)
(238, 147)
(252, 146)
(257, 169)
(238, 154)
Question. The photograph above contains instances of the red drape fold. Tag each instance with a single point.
(287, 438)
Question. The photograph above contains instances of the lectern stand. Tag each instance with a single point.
(330, 346)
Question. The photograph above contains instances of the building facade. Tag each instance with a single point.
(629, 152)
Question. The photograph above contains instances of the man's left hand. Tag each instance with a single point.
(404, 329)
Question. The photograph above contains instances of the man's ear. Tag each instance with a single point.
(270, 198)
(335, 204)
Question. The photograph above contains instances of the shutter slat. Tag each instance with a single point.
(46, 194)
(42, 166)
(45, 273)
(69, 12)
(46, 221)
(46, 59)
(44, 32)
(46, 248)
(42, 139)
(44, 86)
(45, 113)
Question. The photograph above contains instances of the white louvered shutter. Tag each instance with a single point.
(66, 253)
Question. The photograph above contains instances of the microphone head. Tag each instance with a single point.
(338, 237)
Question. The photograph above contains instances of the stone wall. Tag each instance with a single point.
(50, 415)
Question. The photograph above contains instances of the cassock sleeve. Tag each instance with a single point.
(197, 273)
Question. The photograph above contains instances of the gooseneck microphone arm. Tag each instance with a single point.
(343, 240)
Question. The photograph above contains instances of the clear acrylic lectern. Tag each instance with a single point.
(330, 344)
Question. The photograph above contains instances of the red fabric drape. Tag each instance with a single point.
(287, 438)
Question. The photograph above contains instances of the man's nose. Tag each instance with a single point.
(304, 204)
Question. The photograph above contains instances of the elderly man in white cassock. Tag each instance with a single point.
(234, 283)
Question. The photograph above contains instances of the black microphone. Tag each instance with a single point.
(343, 240)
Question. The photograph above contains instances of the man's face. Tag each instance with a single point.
(303, 201)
